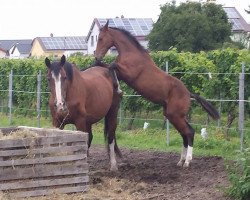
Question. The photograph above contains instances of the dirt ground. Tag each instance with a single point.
(154, 175)
(150, 175)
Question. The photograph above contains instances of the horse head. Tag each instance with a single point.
(58, 83)
(104, 42)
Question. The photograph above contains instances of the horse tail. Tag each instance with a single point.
(117, 150)
(207, 106)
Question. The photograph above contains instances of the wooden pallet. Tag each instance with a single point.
(53, 162)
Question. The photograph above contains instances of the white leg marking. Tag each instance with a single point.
(112, 157)
(119, 91)
(183, 156)
(58, 89)
(189, 156)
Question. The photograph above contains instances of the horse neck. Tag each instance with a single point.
(122, 43)
(76, 80)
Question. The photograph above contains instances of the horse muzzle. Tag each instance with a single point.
(98, 58)
(61, 108)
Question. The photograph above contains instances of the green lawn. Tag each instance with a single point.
(153, 138)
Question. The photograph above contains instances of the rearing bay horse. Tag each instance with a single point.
(83, 98)
(137, 69)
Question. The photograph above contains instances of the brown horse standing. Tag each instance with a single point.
(137, 69)
(83, 98)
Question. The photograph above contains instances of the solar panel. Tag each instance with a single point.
(236, 24)
(72, 43)
(231, 13)
(136, 26)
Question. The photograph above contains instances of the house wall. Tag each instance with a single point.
(36, 50)
(14, 53)
(92, 44)
(242, 38)
(2, 54)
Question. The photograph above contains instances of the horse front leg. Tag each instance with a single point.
(81, 125)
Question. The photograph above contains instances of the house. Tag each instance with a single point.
(19, 51)
(139, 27)
(10, 48)
(3, 53)
(240, 28)
(57, 46)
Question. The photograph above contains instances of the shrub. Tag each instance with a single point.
(239, 176)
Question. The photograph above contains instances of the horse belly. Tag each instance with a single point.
(99, 103)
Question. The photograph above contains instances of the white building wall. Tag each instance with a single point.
(2, 54)
(94, 34)
(15, 54)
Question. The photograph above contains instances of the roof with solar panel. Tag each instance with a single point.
(63, 43)
(139, 27)
(237, 21)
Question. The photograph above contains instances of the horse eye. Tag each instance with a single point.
(48, 79)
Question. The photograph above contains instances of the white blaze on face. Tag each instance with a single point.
(58, 89)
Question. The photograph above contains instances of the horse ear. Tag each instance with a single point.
(63, 60)
(47, 62)
(105, 28)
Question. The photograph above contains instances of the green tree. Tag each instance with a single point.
(190, 27)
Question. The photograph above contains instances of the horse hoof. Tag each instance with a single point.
(186, 165)
(114, 169)
(180, 163)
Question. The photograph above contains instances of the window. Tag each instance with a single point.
(92, 40)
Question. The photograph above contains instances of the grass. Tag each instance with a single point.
(153, 138)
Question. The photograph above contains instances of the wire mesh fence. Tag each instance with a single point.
(32, 101)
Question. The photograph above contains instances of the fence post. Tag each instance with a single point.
(167, 124)
(120, 113)
(10, 96)
(38, 102)
(220, 108)
(241, 106)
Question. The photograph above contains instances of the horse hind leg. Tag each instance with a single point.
(187, 149)
(109, 132)
(187, 133)
(184, 151)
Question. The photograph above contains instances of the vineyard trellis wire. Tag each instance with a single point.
(10, 91)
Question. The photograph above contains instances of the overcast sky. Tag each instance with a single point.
(27, 19)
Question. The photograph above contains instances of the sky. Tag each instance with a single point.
(27, 19)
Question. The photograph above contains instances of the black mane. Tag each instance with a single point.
(56, 66)
(131, 38)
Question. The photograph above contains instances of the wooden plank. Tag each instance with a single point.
(50, 150)
(8, 130)
(40, 141)
(34, 193)
(45, 160)
(45, 131)
(42, 171)
(43, 183)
